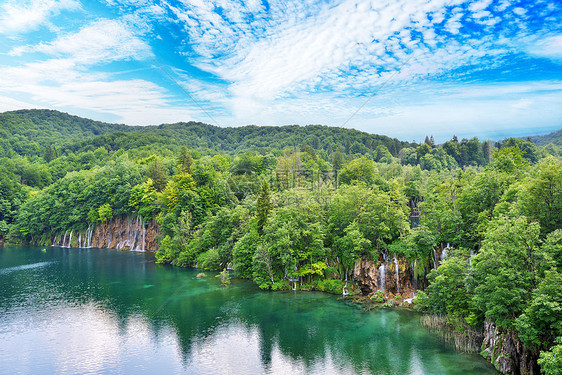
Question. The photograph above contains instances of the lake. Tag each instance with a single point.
(91, 311)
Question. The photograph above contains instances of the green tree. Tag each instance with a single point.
(541, 195)
(542, 320)
(157, 172)
(185, 161)
(243, 253)
(551, 361)
(447, 291)
(143, 200)
(504, 270)
(359, 170)
(263, 207)
(351, 247)
(105, 212)
(49, 153)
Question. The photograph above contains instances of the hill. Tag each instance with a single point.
(542, 140)
(29, 132)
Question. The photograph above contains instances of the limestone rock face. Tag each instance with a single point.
(394, 276)
(506, 352)
(365, 273)
(123, 233)
(126, 233)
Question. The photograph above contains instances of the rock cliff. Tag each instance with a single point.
(507, 353)
(123, 233)
(392, 275)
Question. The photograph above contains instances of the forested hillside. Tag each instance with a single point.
(474, 228)
(29, 132)
(543, 140)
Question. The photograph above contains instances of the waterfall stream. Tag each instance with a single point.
(382, 282)
(397, 275)
(119, 233)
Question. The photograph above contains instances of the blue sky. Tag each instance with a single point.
(403, 68)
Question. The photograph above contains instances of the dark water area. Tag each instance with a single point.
(92, 311)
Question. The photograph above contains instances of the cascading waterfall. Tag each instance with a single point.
(91, 232)
(397, 275)
(434, 259)
(415, 279)
(445, 252)
(120, 233)
(382, 285)
(143, 234)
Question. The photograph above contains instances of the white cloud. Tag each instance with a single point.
(67, 80)
(56, 85)
(22, 16)
(519, 11)
(479, 5)
(550, 47)
(100, 42)
(306, 54)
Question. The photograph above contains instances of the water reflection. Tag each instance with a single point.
(97, 310)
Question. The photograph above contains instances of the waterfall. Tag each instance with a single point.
(143, 234)
(397, 275)
(415, 278)
(434, 259)
(90, 234)
(381, 278)
(123, 233)
(444, 254)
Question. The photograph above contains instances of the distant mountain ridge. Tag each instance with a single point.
(38, 128)
(542, 140)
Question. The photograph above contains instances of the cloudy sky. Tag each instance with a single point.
(404, 68)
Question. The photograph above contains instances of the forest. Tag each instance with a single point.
(298, 207)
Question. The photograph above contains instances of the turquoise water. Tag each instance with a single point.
(92, 311)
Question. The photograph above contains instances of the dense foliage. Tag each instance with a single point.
(297, 207)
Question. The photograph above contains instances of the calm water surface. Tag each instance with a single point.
(82, 311)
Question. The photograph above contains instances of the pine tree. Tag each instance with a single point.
(185, 161)
(338, 160)
(49, 153)
(156, 171)
(264, 206)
